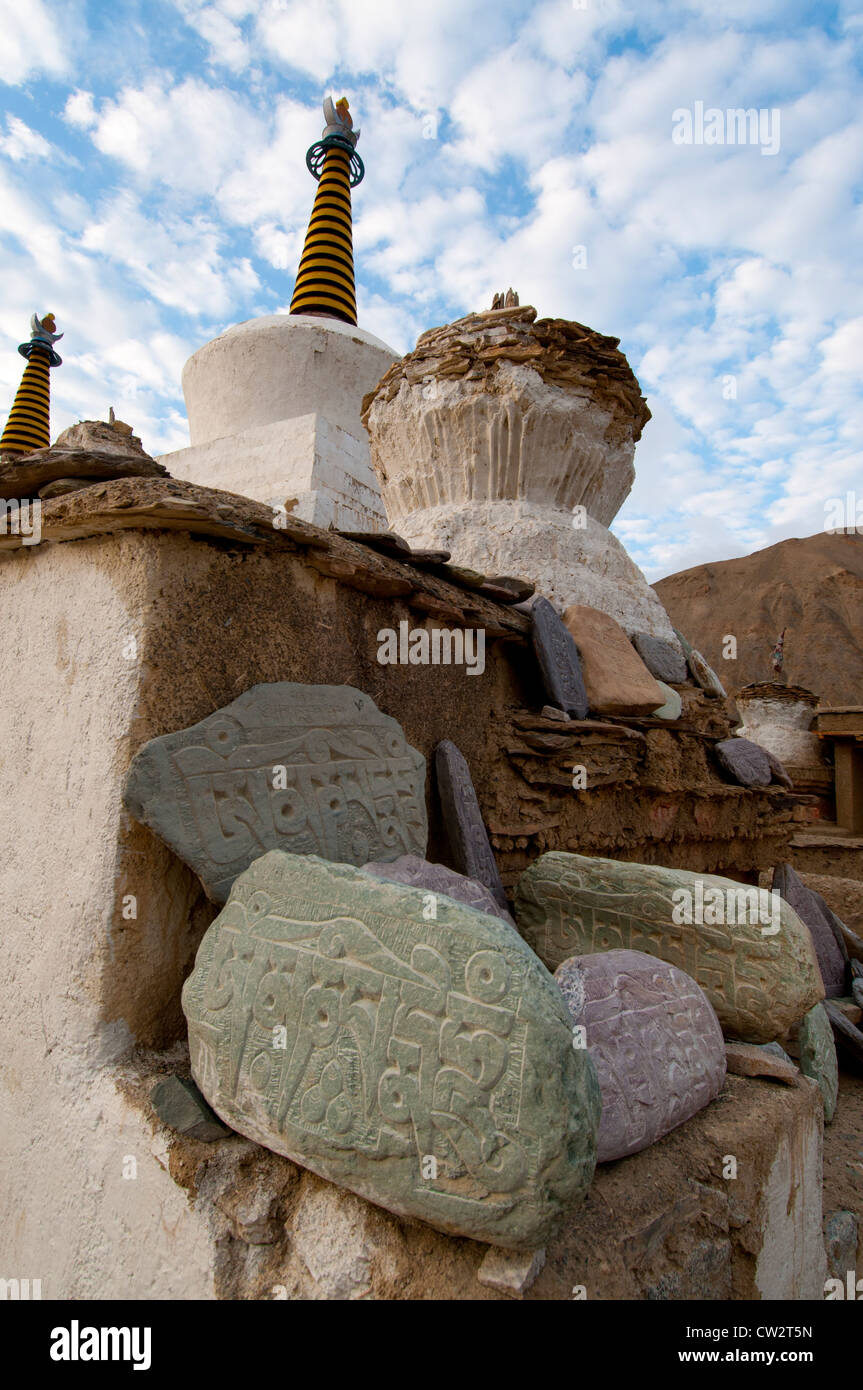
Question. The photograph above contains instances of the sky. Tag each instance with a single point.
(153, 191)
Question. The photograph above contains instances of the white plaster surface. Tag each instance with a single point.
(540, 543)
(782, 726)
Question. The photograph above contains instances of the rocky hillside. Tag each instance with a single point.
(812, 587)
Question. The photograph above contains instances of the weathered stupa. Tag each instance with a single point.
(273, 403)
(509, 441)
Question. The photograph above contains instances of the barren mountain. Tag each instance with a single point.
(812, 587)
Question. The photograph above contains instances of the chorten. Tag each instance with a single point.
(29, 424)
(274, 403)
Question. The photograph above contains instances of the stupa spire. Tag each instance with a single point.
(29, 424)
(325, 279)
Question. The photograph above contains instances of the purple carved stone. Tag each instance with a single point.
(437, 878)
(465, 830)
(745, 761)
(558, 659)
(827, 939)
(654, 1039)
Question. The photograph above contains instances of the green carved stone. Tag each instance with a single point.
(759, 980)
(416, 1053)
(817, 1049)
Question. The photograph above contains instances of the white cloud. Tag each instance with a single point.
(33, 41)
(79, 110)
(21, 143)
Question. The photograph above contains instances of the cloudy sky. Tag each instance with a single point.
(153, 191)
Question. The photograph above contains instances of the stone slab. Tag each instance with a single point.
(811, 909)
(654, 1040)
(310, 769)
(425, 1065)
(840, 1241)
(704, 674)
(664, 661)
(178, 1103)
(744, 761)
(465, 829)
(747, 1059)
(436, 879)
(817, 1056)
(615, 677)
(759, 980)
(558, 659)
(673, 707)
(846, 1035)
(512, 1271)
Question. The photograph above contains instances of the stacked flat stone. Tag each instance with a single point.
(437, 878)
(426, 1065)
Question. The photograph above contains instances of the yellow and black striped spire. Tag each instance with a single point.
(325, 279)
(29, 424)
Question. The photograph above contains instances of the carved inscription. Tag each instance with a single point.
(758, 984)
(403, 1058)
(307, 769)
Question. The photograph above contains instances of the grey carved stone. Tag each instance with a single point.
(654, 1039)
(665, 662)
(557, 656)
(424, 1065)
(310, 769)
(745, 761)
(437, 878)
(817, 1049)
(468, 839)
(760, 975)
(812, 909)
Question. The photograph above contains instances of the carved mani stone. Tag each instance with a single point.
(465, 830)
(435, 879)
(759, 980)
(665, 662)
(615, 677)
(310, 769)
(745, 761)
(704, 675)
(424, 1065)
(655, 1042)
(557, 656)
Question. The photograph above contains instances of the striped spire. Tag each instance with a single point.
(325, 279)
(29, 424)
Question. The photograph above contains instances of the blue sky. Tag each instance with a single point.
(154, 190)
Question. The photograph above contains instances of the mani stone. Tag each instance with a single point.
(746, 762)
(812, 910)
(654, 1040)
(465, 829)
(665, 662)
(615, 677)
(426, 1066)
(673, 707)
(848, 1038)
(759, 980)
(558, 659)
(437, 879)
(309, 769)
(817, 1056)
(178, 1103)
(704, 675)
